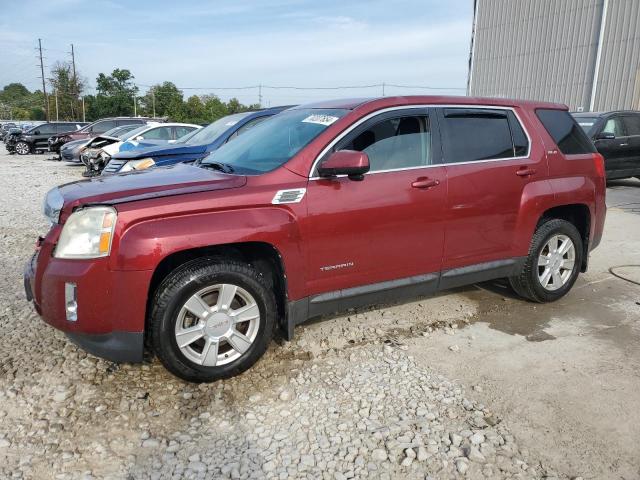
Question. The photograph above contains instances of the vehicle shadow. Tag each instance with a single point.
(624, 182)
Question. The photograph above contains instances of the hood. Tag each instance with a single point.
(167, 149)
(145, 184)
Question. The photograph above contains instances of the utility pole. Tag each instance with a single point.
(75, 82)
(135, 106)
(153, 101)
(260, 94)
(57, 117)
(44, 88)
(83, 116)
(383, 89)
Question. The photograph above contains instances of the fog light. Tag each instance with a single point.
(71, 301)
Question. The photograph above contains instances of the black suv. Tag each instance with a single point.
(36, 139)
(616, 135)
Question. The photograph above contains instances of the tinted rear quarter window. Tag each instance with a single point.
(561, 126)
(474, 135)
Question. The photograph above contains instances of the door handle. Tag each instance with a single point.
(525, 172)
(624, 144)
(425, 183)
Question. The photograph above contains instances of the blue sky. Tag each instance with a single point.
(302, 43)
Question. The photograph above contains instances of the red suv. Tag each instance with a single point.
(321, 208)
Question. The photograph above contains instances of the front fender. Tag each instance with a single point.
(143, 245)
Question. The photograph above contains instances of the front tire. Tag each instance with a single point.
(212, 318)
(553, 263)
(22, 148)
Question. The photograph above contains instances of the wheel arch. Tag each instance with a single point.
(263, 256)
(579, 215)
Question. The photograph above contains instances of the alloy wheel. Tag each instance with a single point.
(22, 148)
(556, 262)
(217, 325)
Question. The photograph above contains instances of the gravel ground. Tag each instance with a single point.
(345, 399)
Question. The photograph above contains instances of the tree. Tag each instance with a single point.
(195, 111)
(214, 108)
(18, 103)
(116, 94)
(68, 88)
(164, 99)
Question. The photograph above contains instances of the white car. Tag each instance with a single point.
(100, 149)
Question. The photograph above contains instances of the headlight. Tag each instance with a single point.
(87, 233)
(137, 165)
(52, 206)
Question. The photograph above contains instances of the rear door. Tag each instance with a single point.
(489, 162)
(632, 157)
(45, 131)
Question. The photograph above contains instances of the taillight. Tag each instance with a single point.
(598, 161)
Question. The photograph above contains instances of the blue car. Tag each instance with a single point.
(192, 147)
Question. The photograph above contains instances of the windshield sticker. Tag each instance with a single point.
(228, 124)
(325, 120)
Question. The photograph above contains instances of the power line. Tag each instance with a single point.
(294, 87)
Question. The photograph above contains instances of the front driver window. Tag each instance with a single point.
(394, 143)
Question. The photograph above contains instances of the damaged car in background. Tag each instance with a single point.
(99, 127)
(99, 150)
(71, 151)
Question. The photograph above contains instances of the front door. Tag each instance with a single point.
(489, 161)
(387, 226)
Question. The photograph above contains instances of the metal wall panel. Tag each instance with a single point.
(546, 50)
(618, 85)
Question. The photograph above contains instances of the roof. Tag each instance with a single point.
(383, 102)
(601, 114)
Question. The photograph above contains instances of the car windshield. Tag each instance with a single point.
(119, 132)
(586, 123)
(274, 142)
(209, 133)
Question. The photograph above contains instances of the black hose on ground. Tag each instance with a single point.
(622, 277)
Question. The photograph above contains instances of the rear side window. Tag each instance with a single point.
(473, 135)
(632, 124)
(569, 137)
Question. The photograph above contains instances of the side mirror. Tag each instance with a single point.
(37, 132)
(605, 136)
(345, 162)
(139, 137)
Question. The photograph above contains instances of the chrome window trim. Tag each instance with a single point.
(407, 107)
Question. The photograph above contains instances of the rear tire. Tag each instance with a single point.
(553, 263)
(22, 148)
(201, 305)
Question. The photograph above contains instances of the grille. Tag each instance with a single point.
(114, 166)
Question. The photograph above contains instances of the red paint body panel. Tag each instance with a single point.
(381, 228)
(342, 234)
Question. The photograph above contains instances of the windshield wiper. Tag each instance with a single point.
(221, 167)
